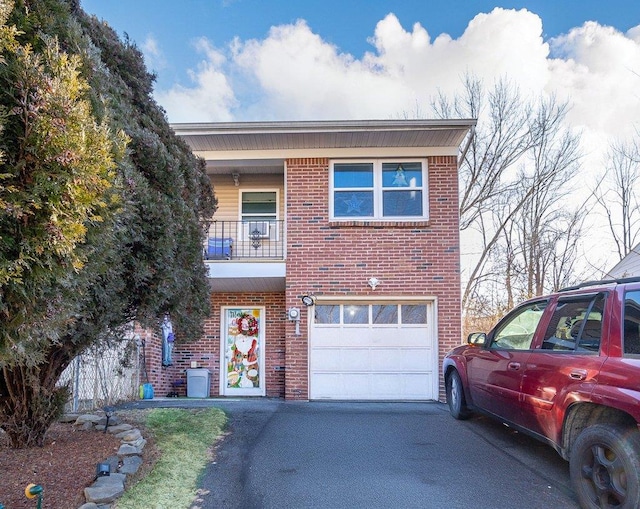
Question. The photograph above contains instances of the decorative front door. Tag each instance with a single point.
(242, 352)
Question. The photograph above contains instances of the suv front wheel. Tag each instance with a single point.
(605, 467)
(455, 396)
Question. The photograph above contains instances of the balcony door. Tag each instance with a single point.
(242, 352)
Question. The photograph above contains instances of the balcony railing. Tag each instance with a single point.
(235, 240)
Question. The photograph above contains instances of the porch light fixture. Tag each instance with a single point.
(236, 178)
(308, 300)
(373, 282)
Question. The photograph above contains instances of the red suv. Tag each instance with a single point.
(564, 368)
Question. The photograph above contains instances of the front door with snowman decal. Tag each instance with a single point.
(242, 352)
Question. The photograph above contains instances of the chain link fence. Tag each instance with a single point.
(103, 376)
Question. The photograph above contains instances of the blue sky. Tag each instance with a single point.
(235, 60)
(346, 24)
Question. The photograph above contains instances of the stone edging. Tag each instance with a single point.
(107, 489)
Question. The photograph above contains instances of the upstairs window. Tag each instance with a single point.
(259, 212)
(259, 205)
(383, 190)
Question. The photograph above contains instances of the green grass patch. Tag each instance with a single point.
(184, 438)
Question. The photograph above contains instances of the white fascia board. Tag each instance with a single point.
(331, 153)
(318, 126)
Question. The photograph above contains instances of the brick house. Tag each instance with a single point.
(359, 218)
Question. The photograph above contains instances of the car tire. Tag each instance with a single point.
(455, 396)
(604, 465)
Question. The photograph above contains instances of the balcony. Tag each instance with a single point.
(246, 256)
(241, 240)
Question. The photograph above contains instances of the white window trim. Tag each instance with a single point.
(378, 190)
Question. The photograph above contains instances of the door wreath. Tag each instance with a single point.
(247, 325)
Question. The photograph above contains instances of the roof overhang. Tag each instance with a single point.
(230, 144)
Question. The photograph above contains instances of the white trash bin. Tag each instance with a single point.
(198, 383)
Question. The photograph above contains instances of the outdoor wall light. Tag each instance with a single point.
(236, 178)
(373, 282)
(308, 300)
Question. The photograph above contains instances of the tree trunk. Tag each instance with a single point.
(30, 402)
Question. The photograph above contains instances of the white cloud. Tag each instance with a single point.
(597, 69)
(294, 74)
(493, 45)
(153, 56)
(303, 77)
(211, 98)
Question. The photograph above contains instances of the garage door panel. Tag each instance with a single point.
(385, 385)
(361, 386)
(416, 384)
(399, 337)
(398, 360)
(350, 386)
(370, 359)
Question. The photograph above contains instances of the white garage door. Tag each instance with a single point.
(373, 351)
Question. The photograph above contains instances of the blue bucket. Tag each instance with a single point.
(146, 391)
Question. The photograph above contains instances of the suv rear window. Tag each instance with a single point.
(576, 324)
(632, 322)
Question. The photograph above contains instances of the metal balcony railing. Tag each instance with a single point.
(235, 240)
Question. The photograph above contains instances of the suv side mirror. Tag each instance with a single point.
(477, 338)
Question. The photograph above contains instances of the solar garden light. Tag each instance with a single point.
(33, 491)
(108, 411)
(103, 470)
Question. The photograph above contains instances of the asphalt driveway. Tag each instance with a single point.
(377, 455)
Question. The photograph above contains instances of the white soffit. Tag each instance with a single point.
(261, 140)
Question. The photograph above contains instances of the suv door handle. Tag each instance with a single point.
(578, 374)
(515, 366)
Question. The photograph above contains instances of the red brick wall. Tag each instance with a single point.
(324, 258)
(336, 259)
(206, 351)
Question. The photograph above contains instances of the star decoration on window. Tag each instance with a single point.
(353, 204)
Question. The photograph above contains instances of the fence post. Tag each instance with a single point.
(76, 383)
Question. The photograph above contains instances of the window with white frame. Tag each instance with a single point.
(379, 189)
(259, 212)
